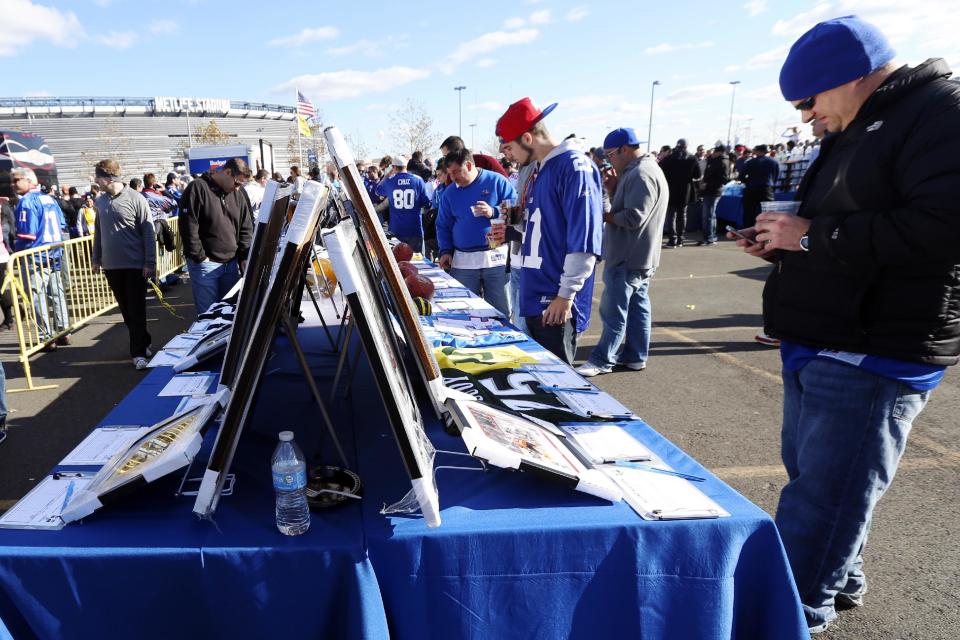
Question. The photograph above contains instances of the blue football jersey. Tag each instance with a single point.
(407, 194)
(564, 206)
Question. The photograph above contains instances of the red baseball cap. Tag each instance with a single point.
(520, 118)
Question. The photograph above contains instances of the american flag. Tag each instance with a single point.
(305, 108)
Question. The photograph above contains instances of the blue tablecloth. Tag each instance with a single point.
(515, 556)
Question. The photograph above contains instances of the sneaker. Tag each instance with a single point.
(139, 363)
(672, 244)
(706, 243)
(149, 352)
(770, 341)
(845, 601)
(64, 340)
(635, 366)
(588, 370)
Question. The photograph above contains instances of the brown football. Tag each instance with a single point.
(419, 286)
(407, 269)
(403, 252)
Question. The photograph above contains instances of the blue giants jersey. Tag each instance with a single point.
(407, 194)
(564, 204)
(39, 222)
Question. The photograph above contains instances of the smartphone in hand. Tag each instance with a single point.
(740, 235)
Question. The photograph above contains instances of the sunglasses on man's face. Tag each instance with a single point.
(806, 105)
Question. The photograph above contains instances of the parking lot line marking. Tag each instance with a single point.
(777, 471)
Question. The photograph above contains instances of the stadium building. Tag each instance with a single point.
(152, 134)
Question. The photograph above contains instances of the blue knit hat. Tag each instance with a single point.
(833, 53)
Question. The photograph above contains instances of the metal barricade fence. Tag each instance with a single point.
(55, 292)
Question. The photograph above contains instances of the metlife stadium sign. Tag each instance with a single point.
(190, 105)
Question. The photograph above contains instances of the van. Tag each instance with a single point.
(21, 149)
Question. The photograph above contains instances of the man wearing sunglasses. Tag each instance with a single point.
(217, 229)
(864, 296)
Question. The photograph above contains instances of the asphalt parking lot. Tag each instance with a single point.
(708, 387)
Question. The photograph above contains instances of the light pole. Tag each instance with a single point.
(473, 136)
(650, 124)
(732, 98)
(459, 91)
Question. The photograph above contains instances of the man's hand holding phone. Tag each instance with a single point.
(746, 239)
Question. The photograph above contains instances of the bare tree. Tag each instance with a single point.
(357, 146)
(412, 128)
(211, 134)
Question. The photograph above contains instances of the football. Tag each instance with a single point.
(403, 252)
(419, 286)
(407, 269)
(423, 307)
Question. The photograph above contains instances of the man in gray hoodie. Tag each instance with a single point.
(125, 246)
(631, 253)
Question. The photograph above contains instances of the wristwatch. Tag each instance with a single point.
(805, 243)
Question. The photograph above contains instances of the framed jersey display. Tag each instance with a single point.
(285, 276)
(393, 293)
(373, 323)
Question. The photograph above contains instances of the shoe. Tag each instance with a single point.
(706, 243)
(672, 244)
(844, 601)
(588, 370)
(635, 366)
(679, 244)
(7, 325)
(49, 347)
(139, 363)
(770, 341)
(149, 352)
(63, 341)
(820, 628)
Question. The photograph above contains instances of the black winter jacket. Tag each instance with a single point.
(681, 170)
(882, 276)
(215, 225)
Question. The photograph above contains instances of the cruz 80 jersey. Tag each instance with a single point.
(564, 207)
(407, 194)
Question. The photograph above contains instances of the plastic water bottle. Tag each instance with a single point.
(290, 485)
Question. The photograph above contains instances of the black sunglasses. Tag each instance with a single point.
(806, 105)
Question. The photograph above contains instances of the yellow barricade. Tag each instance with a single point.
(55, 292)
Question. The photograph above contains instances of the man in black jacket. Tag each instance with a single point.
(865, 295)
(217, 227)
(715, 175)
(682, 171)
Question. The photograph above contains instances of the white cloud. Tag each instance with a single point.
(485, 63)
(488, 43)
(336, 85)
(765, 93)
(513, 23)
(670, 48)
(798, 24)
(576, 14)
(770, 58)
(118, 39)
(699, 92)
(161, 27)
(540, 17)
(376, 106)
(24, 22)
(309, 34)
(486, 106)
(37, 94)
(371, 48)
(730, 68)
(755, 7)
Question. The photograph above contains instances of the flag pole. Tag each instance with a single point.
(296, 108)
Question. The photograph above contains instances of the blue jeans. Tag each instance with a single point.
(515, 318)
(844, 431)
(3, 396)
(710, 218)
(492, 282)
(49, 301)
(625, 313)
(211, 281)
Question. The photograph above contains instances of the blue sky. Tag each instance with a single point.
(359, 61)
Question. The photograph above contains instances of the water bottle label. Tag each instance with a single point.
(290, 481)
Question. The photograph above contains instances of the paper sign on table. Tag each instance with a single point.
(189, 384)
(41, 508)
(101, 444)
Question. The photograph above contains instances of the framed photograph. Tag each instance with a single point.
(394, 291)
(291, 260)
(260, 261)
(165, 447)
(380, 342)
(510, 442)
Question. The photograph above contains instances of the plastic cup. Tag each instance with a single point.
(491, 242)
(780, 206)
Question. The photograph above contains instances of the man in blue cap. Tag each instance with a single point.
(865, 293)
(631, 253)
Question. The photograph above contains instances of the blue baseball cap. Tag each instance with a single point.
(833, 53)
(619, 137)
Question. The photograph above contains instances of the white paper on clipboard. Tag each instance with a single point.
(41, 508)
(594, 404)
(188, 384)
(606, 442)
(656, 496)
(101, 444)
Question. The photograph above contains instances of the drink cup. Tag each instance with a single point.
(780, 206)
(495, 224)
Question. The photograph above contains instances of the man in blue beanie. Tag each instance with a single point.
(864, 295)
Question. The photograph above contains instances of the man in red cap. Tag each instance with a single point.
(564, 212)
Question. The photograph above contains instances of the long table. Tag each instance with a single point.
(515, 556)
